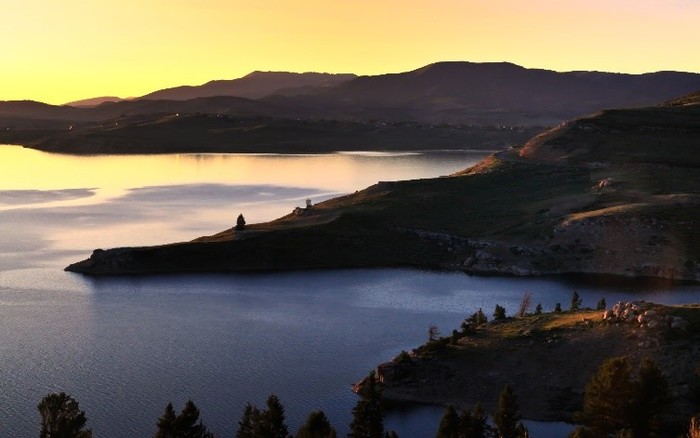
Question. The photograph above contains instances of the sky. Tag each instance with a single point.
(59, 51)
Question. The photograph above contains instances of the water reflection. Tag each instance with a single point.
(26, 169)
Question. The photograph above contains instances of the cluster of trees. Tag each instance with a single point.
(617, 402)
(186, 424)
(61, 417)
(474, 424)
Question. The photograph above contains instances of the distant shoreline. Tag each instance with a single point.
(201, 133)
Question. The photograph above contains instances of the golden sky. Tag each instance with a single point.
(57, 51)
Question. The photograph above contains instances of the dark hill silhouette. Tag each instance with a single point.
(228, 105)
(29, 109)
(446, 92)
(465, 92)
(252, 86)
(94, 101)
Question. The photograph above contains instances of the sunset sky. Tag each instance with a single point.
(58, 51)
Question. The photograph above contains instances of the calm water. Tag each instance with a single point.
(124, 347)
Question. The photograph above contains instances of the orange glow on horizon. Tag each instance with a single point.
(62, 51)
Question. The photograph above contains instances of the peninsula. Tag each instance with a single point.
(613, 193)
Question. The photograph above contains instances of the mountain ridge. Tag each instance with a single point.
(254, 85)
(457, 93)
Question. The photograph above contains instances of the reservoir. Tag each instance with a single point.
(124, 347)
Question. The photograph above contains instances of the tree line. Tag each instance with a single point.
(617, 402)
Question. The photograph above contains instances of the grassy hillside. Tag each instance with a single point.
(548, 359)
(569, 201)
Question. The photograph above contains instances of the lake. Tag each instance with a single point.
(125, 347)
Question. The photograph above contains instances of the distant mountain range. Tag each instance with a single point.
(445, 92)
(255, 85)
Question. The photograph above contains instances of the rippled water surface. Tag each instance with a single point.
(124, 347)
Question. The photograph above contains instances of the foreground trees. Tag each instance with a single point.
(316, 426)
(615, 403)
(184, 425)
(61, 417)
(266, 423)
(507, 416)
(474, 424)
(469, 424)
(367, 419)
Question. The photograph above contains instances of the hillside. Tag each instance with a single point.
(526, 211)
(547, 359)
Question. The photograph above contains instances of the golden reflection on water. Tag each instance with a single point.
(27, 169)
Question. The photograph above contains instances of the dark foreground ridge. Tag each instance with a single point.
(614, 193)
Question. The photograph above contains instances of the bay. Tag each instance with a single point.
(125, 347)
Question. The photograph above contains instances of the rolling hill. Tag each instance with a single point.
(255, 85)
(461, 93)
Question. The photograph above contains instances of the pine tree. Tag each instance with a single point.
(538, 309)
(601, 304)
(507, 416)
(474, 425)
(449, 424)
(575, 301)
(240, 222)
(607, 401)
(499, 313)
(650, 398)
(184, 425)
(166, 423)
(61, 417)
(367, 420)
(557, 308)
(316, 426)
(246, 425)
(273, 418)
